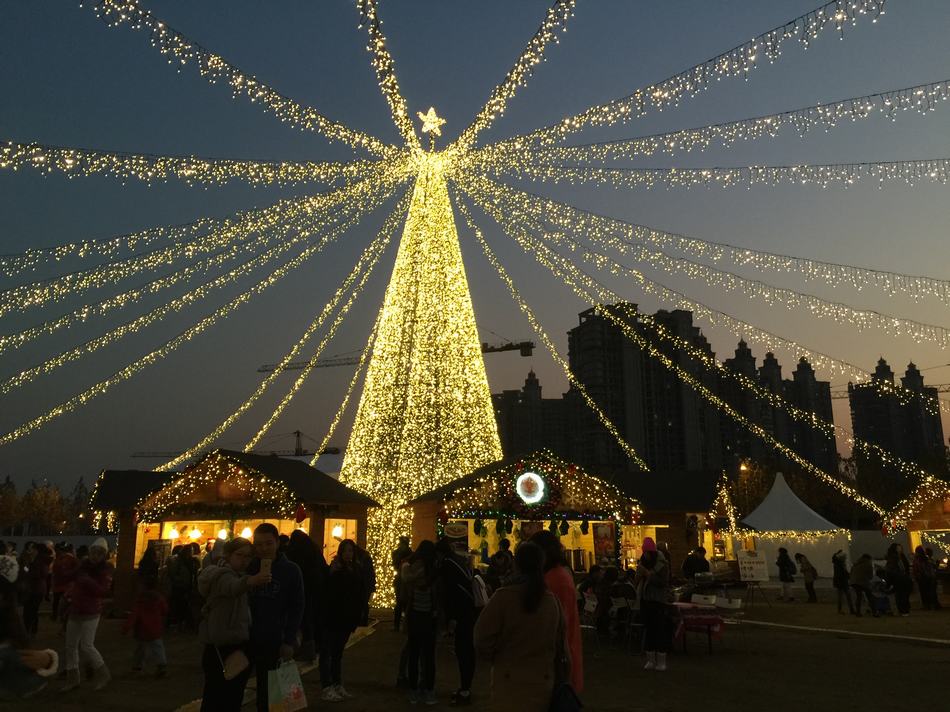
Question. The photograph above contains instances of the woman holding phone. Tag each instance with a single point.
(225, 626)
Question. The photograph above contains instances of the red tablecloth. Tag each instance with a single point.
(698, 623)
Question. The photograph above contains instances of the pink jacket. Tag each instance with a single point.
(91, 584)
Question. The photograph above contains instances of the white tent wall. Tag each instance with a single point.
(783, 511)
(874, 543)
(819, 552)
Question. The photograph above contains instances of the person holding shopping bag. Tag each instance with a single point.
(225, 626)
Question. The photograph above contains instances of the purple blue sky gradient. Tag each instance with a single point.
(67, 79)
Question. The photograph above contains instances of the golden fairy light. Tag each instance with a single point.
(425, 415)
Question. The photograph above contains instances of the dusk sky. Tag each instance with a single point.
(68, 79)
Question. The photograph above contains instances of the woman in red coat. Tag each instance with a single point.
(560, 582)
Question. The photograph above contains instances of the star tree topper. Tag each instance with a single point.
(431, 124)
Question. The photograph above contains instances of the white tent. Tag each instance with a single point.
(784, 520)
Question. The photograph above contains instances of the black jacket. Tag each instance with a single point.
(786, 568)
(344, 599)
(458, 598)
(277, 608)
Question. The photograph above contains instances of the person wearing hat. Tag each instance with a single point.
(653, 589)
(91, 583)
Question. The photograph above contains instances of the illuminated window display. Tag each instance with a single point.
(513, 499)
(225, 494)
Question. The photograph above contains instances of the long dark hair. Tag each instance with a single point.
(551, 546)
(303, 552)
(425, 553)
(529, 562)
(149, 557)
(339, 561)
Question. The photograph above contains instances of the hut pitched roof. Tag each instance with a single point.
(116, 490)
(308, 483)
(573, 488)
(676, 491)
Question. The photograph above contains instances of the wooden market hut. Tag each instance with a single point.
(927, 519)
(677, 507)
(512, 499)
(115, 497)
(227, 493)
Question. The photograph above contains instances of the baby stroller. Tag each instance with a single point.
(880, 594)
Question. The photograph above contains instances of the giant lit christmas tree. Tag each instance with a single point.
(426, 416)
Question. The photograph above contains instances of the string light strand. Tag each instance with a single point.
(911, 172)
(212, 67)
(598, 228)
(386, 72)
(125, 299)
(602, 227)
(555, 21)
(157, 314)
(628, 449)
(154, 356)
(598, 293)
(921, 98)
(364, 264)
(40, 293)
(737, 62)
(74, 162)
(378, 247)
(338, 416)
(697, 385)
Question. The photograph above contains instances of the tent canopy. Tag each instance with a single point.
(782, 510)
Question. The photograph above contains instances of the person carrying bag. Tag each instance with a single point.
(285, 689)
(225, 627)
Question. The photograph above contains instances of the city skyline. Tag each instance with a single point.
(664, 420)
(140, 97)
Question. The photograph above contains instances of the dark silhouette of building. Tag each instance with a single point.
(808, 394)
(671, 426)
(803, 391)
(527, 422)
(908, 427)
(665, 420)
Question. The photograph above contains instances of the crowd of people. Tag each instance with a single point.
(274, 599)
(254, 605)
(77, 583)
(866, 582)
(522, 617)
(258, 604)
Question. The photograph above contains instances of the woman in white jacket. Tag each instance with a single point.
(225, 626)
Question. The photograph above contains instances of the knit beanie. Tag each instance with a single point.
(649, 544)
(9, 568)
(100, 543)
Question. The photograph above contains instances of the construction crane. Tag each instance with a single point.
(526, 348)
(941, 388)
(298, 450)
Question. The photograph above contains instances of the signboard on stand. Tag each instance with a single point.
(753, 566)
(163, 550)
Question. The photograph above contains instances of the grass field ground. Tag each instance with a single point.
(826, 662)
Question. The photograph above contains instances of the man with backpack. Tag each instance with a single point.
(458, 589)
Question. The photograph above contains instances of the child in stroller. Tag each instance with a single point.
(880, 593)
